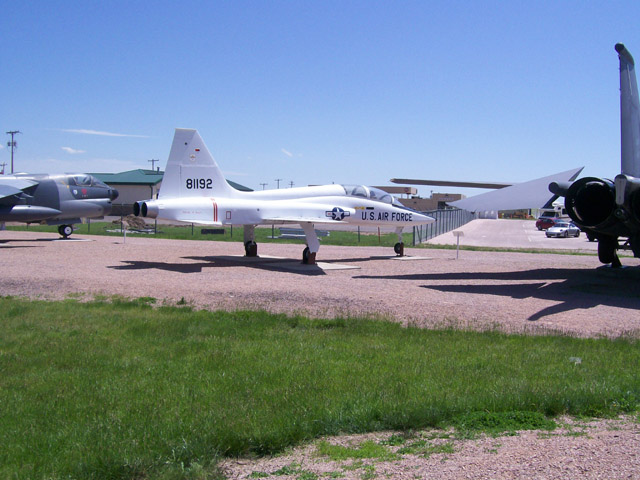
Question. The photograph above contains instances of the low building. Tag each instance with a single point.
(133, 185)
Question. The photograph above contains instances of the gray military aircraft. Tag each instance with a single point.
(610, 210)
(54, 199)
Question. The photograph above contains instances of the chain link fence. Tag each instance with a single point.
(446, 220)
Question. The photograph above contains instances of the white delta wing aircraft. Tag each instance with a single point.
(194, 190)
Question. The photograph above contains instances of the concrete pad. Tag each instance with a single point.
(298, 266)
(408, 258)
(73, 240)
(244, 258)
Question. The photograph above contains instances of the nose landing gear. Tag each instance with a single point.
(65, 230)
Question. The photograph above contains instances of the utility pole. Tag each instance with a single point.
(291, 184)
(4, 164)
(153, 163)
(278, 180)
(12, 145)
(264, 185)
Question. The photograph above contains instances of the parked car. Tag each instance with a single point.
(563, 230)
(546, 222)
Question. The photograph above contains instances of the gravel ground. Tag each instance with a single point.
(516, 292)
(535, 293)
(603, 449)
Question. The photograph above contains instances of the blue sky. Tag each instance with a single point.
(319, 92)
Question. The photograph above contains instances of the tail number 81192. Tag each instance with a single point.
(199, 183)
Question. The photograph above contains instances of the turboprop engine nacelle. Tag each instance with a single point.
(145, 209)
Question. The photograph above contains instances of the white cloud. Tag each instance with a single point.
(286, 152)
(103, 134)
(72, 151)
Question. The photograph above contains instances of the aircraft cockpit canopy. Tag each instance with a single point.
(371, 193)
(84, 180)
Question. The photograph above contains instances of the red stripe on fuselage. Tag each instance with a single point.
(215, 210)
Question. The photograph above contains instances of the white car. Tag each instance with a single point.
(563, 230)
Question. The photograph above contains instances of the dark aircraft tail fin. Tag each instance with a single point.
(629, 114)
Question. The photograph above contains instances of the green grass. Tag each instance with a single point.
(231, 235)
(340, 238)
(368, 449)
(125, 390)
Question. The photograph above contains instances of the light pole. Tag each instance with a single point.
(12, 145)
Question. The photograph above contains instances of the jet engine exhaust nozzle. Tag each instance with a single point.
(149, 210)
(590, 202)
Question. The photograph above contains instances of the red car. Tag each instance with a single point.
(543, 223)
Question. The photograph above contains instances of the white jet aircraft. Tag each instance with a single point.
(194, 190)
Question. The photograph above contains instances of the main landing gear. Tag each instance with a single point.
(308, 257)
(65, 230)
(313, 244)
(399, 247)
(250, 245)
(607, 247)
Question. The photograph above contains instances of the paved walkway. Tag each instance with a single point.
(512, 234)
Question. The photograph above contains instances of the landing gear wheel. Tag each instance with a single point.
(251, 249)
(399, 249)
(308, 257)
(65, 230)
(607, 251)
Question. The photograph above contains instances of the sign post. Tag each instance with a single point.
(458, 234)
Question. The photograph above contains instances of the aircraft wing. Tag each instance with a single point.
(531, 194)
(11, 189)
(449, 183)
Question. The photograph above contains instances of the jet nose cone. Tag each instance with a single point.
(113, 193)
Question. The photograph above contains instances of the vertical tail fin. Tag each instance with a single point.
(629, 114)
(191, 170)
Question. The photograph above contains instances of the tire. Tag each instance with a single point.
(65, 230)
(607, 249)
(305, 255)
(398, 248)
(250, 248)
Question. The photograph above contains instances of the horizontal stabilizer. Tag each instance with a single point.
(199, 221)
(531, 194)
(296, 220)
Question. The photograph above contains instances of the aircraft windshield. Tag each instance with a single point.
(371, 193)
(82, 180)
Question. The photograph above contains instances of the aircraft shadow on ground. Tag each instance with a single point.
(270, 264)
(571, 288)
